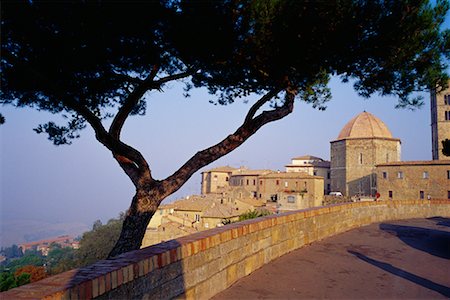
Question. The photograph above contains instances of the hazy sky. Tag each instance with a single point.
(82, 182)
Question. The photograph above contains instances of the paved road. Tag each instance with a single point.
(407, 259)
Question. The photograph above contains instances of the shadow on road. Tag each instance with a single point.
(432, 241)
(442, 289)
(441, 221)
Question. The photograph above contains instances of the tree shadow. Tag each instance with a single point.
(432, 241)
(441, 221)
(442, 289)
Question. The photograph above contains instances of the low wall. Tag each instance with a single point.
(203, 264)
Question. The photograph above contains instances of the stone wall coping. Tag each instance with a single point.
(99, 278)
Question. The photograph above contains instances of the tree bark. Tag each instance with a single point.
(142, 208)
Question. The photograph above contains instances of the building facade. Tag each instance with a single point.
(293, 190)
(314, 166)
(364, 142)
(247, 179)
(440, 122)
(411, 180)
(215, 179)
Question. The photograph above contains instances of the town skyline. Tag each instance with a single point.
(73, 197)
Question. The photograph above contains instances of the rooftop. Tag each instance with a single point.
(416, 163)
(365, 125)
(299, 175)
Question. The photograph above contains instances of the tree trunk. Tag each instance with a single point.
(142, 209)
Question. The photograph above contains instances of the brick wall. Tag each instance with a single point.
(200, 265)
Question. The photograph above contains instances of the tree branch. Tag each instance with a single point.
(134, 97)
(130, 103)
(264, 99)
(231, 142)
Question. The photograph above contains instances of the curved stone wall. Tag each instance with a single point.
(203, 264)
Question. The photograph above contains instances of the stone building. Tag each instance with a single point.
(215, 179)
(293, 190)
(312, 165)
(247, 179)
(364, 142)
(440, 122)
(411, 180)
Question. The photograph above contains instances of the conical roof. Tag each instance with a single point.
(365, 125)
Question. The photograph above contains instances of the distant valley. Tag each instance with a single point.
(21, 231)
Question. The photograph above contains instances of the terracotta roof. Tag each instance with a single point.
(220, 211)
(365, 125)
(246, 172)
(178, 226)
(416, 163)
(252, 201)
(300, 175)
(307, 157)
(224, 169)
(324, 164)
(193, 203)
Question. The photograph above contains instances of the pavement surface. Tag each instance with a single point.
(408, 259)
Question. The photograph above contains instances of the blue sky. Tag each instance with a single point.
(82, 182)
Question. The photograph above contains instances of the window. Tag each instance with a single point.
(247, 181)
(328, 175)
(226, 178)
(390, 194)
(328, 187)
(286, 184)
(448, 194)
(360, 158)
(315, 173)
(254, 181)
(255, 194)
(277, 182)
(425, 175)
(260, 182)
(291, 199)
(421, 195)
(400, 175)
(448, 174)
(197, 218)
(447, 115)
(274, 198)
(447, 99)
(385, 175)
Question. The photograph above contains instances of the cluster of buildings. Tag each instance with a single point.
(44, 246)
(365, 163)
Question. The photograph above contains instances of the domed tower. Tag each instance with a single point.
(364, 142)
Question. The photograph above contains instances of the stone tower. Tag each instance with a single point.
(364, 142)
(440, 122)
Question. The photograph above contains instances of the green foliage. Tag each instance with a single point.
(9, 281)
(58, 54)
(61, 259)
(28, 259)
(253, 215)
(446, 147)
(97, 244)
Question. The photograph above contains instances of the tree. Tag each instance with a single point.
(60, 259)
(36, 273)
(446, 147)
(98, 243)
(91, 61)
